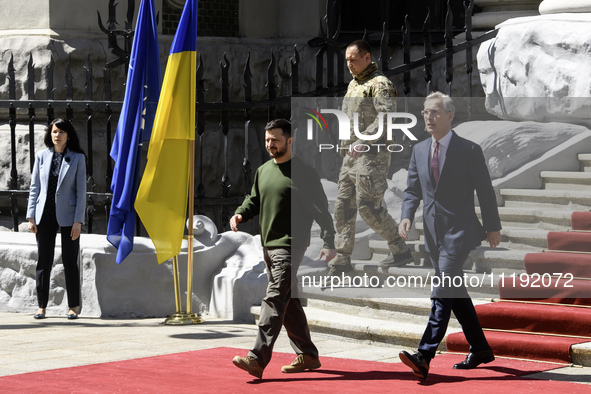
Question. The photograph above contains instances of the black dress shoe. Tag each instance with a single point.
(417, 362)
(475, 359)
(39, 316)
(72, 316)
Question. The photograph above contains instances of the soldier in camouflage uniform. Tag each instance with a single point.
(363, 175)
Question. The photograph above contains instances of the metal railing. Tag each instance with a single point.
(46, 109)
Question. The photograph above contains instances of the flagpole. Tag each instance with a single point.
(163, 209)
(193, 316)
(179, 317)
(177, 286)
(187, 317)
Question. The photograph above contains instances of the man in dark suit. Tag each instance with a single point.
(444, 171)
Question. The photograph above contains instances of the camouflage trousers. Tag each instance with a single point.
(361, 187)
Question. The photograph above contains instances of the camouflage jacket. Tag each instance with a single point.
(368, 94)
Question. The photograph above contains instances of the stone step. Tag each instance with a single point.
(519, 238)
(483, 258)
(515, 236)
(500, 259)
(553, 199)
(566, 180)
(359, 303)
(380, 247)
(392, 331)
(398, 332)
(413, 308)
(585, 160)
(527, 236)
(368, 280)
(522, 217)
(580, 354)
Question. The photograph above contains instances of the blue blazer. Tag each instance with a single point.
(448, 209)
(70, 196)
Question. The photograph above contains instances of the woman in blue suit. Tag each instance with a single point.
(57, 199)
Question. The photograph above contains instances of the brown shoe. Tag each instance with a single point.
(301, 363)
(250, 365)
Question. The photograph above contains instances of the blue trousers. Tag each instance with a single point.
(446, 299)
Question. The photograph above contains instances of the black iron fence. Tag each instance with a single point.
(33, 112)
(329, 81)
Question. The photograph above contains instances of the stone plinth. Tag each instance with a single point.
(564, 6)
(65, 18)
(139, 286)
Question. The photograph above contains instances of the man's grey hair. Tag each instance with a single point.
(448, 103)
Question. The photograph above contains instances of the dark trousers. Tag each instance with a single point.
(446, 299)
(281, 308)
(46, 233)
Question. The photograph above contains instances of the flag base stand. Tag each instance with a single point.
(183, 318)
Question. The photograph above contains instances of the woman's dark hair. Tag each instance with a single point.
(73, 142)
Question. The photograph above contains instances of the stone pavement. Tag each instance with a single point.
(28, 345)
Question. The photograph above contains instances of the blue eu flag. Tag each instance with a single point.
(142, 92)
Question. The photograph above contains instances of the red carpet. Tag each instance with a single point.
(212, 371)
(528, 346)
(576, 291)
(569, 240)
(577, 264)
(531, 319)
(581, 221)
(564, 322)
(526, 317)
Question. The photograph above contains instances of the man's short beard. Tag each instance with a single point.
(278, 153)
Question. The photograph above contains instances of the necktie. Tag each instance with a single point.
(435, 162)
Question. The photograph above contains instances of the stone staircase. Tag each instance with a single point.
(399, 317)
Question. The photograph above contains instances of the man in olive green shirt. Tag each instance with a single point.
(287, 195)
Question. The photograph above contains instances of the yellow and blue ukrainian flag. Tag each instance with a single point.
(135, 125)
(163, 192)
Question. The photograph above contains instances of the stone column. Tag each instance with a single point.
(564, 6)
(495, 12)
(60, 30)
(63, 18)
